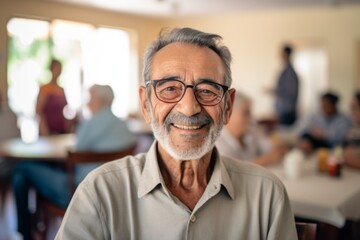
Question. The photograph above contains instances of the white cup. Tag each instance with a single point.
(293, 164)
(29, 129)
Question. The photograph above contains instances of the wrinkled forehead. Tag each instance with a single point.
(184, 58)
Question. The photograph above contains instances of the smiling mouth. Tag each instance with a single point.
(188, 127)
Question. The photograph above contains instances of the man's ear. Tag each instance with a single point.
(229, 105)
(144, 104)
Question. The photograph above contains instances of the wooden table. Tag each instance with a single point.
(46, 148)
(321, 197)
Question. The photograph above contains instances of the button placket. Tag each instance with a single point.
(192, 218)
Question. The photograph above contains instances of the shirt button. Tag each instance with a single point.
(193, 218)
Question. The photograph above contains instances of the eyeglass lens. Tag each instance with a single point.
(173, 90)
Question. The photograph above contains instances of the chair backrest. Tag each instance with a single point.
(77, 157)
(48, 209)
(306, 231)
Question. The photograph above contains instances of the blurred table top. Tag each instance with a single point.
(320, 197)
(46, 148)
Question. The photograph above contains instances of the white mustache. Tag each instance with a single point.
(181, 121)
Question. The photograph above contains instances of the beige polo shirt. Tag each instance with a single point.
(127, 199)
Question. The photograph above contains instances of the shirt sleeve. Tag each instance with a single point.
(337, 133)
(83, 218)
(282, 220)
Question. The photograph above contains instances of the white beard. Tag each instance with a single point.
(162, 135)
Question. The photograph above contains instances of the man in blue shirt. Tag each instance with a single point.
(327, 128)
(102, 132)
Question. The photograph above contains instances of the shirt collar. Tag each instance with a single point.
(151, 175)
(220, 175)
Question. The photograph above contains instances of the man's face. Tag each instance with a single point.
(240, 120)
(94, 103)
(328, 107)
(56, 70)
(355, 111)
(186, 129)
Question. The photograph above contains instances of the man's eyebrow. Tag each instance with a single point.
(205, 80)
(171, 77)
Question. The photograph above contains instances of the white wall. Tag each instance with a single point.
(254, 38)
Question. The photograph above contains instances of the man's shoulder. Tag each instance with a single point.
(248, 170)
(121, 168)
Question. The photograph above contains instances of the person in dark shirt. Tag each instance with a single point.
(287, 91)
(50, 104)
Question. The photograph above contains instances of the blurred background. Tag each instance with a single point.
(103, 42)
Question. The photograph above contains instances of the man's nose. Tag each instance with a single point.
(188, 105)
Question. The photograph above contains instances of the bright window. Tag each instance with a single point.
(89, 55)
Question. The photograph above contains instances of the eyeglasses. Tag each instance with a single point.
(206, 92)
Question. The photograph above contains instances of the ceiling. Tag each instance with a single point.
(174, 8)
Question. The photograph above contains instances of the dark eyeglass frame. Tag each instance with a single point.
(157, 81)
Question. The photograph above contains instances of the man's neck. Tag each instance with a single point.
(187, 180)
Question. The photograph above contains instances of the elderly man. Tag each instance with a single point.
(242, 140)
(182, 188)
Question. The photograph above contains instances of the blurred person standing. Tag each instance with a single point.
(242, 140)
(101, 133)
(287, 91)
(50, 104)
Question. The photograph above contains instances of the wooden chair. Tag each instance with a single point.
(6, 170)
(306, 231)
(5, 186)
(48, 210)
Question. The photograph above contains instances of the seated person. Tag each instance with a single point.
(8, 119)
(241, 139)
(327, 128)
(352, 141)
(102, 132)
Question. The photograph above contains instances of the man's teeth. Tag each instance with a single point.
(187, 127)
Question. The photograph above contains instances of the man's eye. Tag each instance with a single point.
(169, 89)
(205, 92)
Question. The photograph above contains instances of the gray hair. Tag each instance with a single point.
(191, 36)
(104, 93)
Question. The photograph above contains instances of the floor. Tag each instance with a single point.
(8, 222)
(8, 219)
